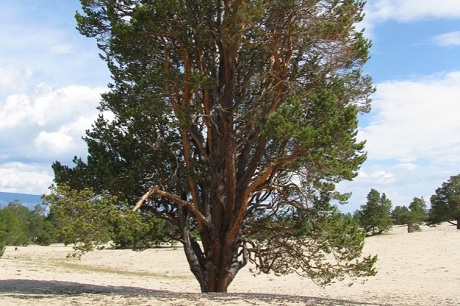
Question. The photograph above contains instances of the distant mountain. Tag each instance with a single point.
(29, 200)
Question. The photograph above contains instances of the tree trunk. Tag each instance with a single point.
(214, 265)
(458, 222)
(216, 284)
(211, 276)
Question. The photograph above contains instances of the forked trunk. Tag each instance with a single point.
(214, 274)
(213, 265)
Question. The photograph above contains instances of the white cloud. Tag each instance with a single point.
(57, 142)
(413, 139)
(66, 141)
(382, 175)
(47, 124)
(415, 119)
(61, 106)
(22, 178)
(448, 39)
(14, 111)
(40, 127)
(48, 107)
(410, 10)
(377, 176)
(400, 181)
(41, 124)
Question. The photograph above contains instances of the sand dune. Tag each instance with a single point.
(414, 269)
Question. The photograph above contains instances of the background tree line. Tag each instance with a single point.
(20, 226)
(376, 216)
(82, 219)
(75, 217)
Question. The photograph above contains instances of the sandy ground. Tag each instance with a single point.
(414, 269)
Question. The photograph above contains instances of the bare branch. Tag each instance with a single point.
(176, 200)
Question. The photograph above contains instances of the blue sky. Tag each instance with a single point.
(51, 78)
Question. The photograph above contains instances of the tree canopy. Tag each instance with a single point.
(400, 215)
(413, 215)
(233, 120)
(14, 228)
(445, 203)
(375, 216)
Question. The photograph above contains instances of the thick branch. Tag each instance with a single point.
(176, 200)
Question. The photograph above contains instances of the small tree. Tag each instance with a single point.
(82, 218)
(412, 216)
(14, 221)
(417, 214)
(46, 234)
(445, 203)
(375, 215)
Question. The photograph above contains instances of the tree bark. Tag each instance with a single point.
(193, 252)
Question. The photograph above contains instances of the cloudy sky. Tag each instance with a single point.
(51, 78)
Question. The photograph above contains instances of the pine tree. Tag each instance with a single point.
(445, 203)
(375, 215)
(417, 214)
(233, 120)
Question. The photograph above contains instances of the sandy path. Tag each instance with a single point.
(414, 269)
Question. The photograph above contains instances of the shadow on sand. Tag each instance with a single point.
(24, 289)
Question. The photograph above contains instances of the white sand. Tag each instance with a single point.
(414, 269)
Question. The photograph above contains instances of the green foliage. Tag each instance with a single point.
(413, 216)
(14, 228)
(83, 217)
(12, 232)
(20, 226)
(87, 221)
(445, 203)
(375, 216)
(46, 234)
(139, 231)
(417, 214)
(323, 244)
(400, 215)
